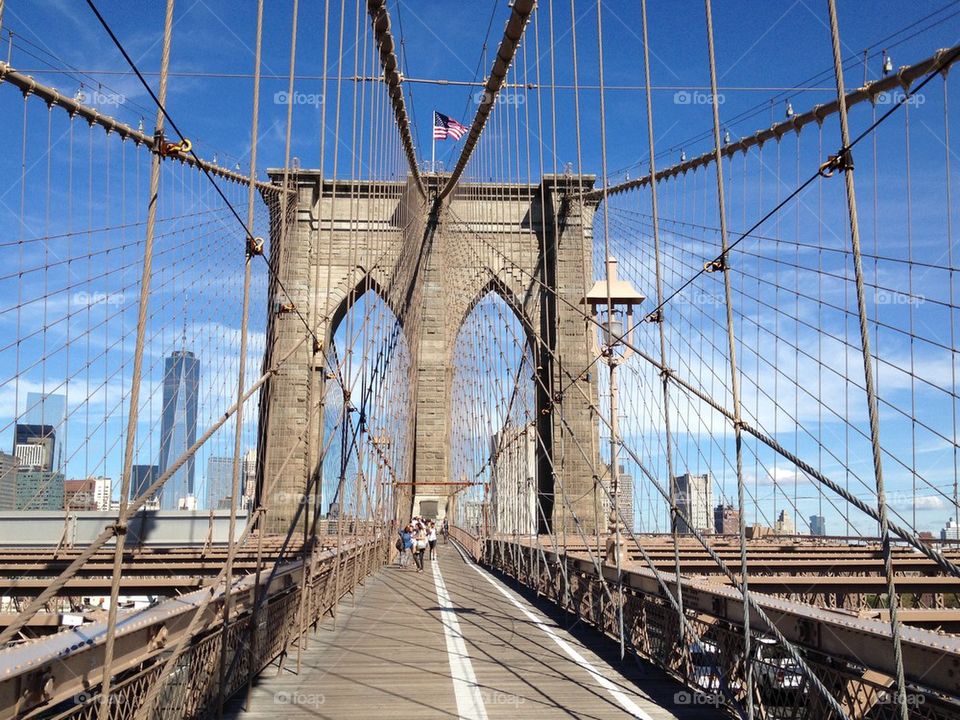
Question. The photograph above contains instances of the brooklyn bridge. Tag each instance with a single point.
(358, 359)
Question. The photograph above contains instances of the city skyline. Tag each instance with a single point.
(37, 447)
(48, 409)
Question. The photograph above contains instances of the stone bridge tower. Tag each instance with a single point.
(431, 261)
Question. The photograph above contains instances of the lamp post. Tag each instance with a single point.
(610, 299)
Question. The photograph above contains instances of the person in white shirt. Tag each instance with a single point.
(432, 539)
(419, 545)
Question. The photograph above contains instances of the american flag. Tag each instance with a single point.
(444, 127)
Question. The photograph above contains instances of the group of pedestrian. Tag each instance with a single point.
(415, 538)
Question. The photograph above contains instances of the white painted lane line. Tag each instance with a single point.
(621, 697)
(469, 700)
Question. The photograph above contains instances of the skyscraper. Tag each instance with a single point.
(45, 409)
(951, 531)
(726, 520)
(142, 477)
(784, 525)
(48, 409)
(178, 427)
(39, 489)
(102, 492)
(818, 525)
(35, 446)
(219, 482)
(80, 494)
(695, 502)
(8, 481)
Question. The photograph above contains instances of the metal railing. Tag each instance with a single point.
(52, 677)
(849, 655)
(471, 543)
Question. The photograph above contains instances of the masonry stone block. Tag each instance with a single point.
(347, 238)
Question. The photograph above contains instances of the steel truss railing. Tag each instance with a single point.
(52, 677)
(849, 655)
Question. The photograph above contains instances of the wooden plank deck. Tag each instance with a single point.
(476, 650)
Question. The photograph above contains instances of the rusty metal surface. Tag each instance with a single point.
(54, 675)
(844, 650)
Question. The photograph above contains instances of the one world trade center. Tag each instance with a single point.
(178, 428)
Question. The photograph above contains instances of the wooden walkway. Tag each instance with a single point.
(455, 642)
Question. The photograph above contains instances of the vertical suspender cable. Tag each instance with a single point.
(284, 223)
(655, 214)
(550, 338)
(135, 378)
(588, 346)
(333, 204)
(351, 300)
(254, 633)
(872, 409)
(249, 251)
(948, 153)
(734, 377)
(321, 405)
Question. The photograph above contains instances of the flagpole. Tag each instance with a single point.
(433, 146)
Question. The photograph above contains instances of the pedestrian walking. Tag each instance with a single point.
(419, 547)
(432, 539)
(405, 545)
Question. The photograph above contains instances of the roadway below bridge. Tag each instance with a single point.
(456, 642)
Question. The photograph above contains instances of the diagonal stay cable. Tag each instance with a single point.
(941, 560)
(512, 35)
(110, 531)
(825, 170)
(163, 109)
(249, 237)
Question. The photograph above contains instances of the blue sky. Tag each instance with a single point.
(765, 50)
(759, 44)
